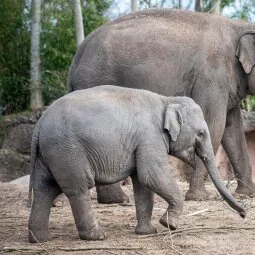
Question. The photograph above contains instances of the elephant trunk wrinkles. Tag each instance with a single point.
(216, 179)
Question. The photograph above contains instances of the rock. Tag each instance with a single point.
(13, 164)
(22, 180)
(15, 139)
(19, 138)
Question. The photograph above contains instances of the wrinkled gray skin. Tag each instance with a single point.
(171, 52)
(103, 135)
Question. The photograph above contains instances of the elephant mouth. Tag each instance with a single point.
(188, 156)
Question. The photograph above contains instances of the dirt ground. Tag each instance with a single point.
(216, 230)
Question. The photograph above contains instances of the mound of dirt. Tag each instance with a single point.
(206, 227)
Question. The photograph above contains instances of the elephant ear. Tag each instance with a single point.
(173, 120)
(246, 51)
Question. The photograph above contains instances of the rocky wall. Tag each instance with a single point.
(16, 132)
(15, 137)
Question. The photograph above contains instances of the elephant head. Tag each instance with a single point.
(246, 55)
(189, 136)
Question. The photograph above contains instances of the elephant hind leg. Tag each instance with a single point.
(110, 194)
(84, 217)
(75, 177)
(45, 190)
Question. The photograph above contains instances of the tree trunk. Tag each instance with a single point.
(78, 21)
(198, 7)
(215, 6)
(180, 4)
(36, 100)
(134, 6)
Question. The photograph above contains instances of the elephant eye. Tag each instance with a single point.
(201, 133)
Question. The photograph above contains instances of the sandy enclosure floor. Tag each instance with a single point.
(217, 230)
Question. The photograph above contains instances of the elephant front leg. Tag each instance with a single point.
(84, 217)
(144, 206)
(215, 117)
(154, 173)
(170, 218)
(235, 146)
(197, 178)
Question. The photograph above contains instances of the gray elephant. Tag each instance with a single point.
(103, 135)
(173, 52)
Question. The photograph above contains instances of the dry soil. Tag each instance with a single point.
(215, 230)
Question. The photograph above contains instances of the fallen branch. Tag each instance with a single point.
(197, 229)
(99, 248)
(198, 212)
(21, 249)
(111, 252)
(10, 238)
(170, 235)
(140, 253)
(39, 242)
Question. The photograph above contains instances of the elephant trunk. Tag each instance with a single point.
(216, 179)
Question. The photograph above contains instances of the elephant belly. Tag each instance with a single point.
(115, 172)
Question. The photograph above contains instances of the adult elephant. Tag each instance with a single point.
(172, 52)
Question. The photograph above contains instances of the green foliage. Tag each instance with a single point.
(14, 55)
(208, 5)
(58, 40)
(93, 14)
(58, 43)
(57, 47)
(248, 103)
(245, 10)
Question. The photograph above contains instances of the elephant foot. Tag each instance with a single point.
(171, 220)
(145, 229)
(196, 195)
(35, 236)
(95, 233)
(111, 194)
(245, 191)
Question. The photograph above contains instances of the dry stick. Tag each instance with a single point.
(12, 217)
(197, 212)
(10, 238)
(169, 231)
(39, 242)
(170, 234)
(197, 229)
(20, 249)
(111, 252)
(99, 248)
(140, 253)
(244, 184)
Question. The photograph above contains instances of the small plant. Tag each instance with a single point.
(248, 103)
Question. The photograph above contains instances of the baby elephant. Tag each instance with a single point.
(104, 134)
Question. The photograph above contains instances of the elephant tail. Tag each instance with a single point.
(34, 150)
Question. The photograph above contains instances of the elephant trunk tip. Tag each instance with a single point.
(242, 214)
